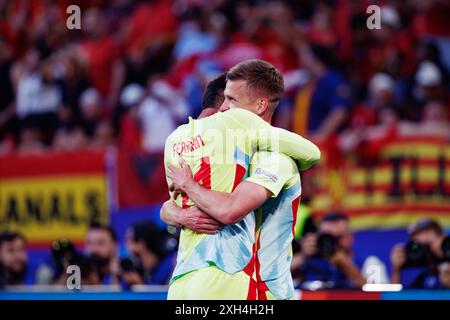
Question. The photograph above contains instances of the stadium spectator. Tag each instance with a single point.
(429, 83)
(160, 113)
(434, 122)
(129, 127)
(326, 259)
(74, 82)
(435, 119)
(444, 275)
(104, 136)
(70, 139)
(428, 50)
(149, 31)
(322, 105)
(39, 96)
(92, 110)
(272, 27)
(31, 140)
(229, 32)
(429, 22)
(7, 110)
(373, 121)
(423, 252)
(321, 30)
(13, 259)
(195, 35)
(152, 255)
(390, 46)
(53, 270)
(101, 247)
(99, 54)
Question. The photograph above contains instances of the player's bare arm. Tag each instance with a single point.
(228, 208)
(192, 218)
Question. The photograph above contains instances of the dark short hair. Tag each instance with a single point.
(213, 95)
(425, 224)
(260, 76)
(104, 227)
(8, 236)
(334, 216)
(153, 237)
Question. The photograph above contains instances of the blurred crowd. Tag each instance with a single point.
(324, 258)
(137, 69)
(148, 258)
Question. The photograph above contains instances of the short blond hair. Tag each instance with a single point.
(261, 77)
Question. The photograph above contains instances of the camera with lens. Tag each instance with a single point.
(326, 245)
(446, 249)
(64, 254)
(417, 254)
(131, 264)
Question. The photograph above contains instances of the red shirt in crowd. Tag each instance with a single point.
(150, 22)
(101, 55)
(130, 135)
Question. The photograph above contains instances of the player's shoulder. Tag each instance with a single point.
(276, 166)
(283, 160)
(275, 162)
(178, 132)
(236, 114)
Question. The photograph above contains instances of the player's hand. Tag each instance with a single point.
(196, 220)
(181, 178)
(309, 244)
(398, 257)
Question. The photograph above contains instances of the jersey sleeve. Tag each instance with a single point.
(302, 151)
(272, 171)
(268, 138)
(169, 157)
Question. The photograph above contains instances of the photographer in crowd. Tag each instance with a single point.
(427, 251)
(101, 250)
(13, 259)
(325, 259)
(99, 264)
(151, 258)
(152, 255)
(444, 275)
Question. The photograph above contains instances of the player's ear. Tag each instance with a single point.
(263, 106)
